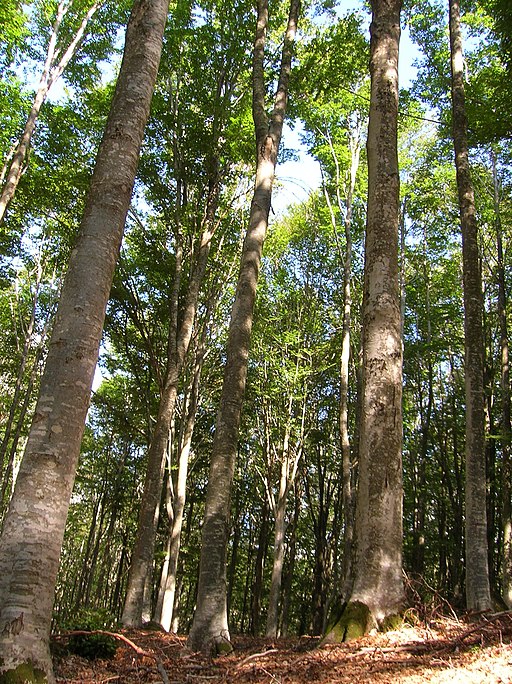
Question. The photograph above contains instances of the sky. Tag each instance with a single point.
(296, 179)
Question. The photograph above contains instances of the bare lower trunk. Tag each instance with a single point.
(277, 567)
(377, 592)
(210, 630)
(478, 595)
(34, 525)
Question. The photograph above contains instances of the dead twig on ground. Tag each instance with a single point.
(120, 637)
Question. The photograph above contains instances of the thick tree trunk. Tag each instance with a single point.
(210, 630)
(377, 593)
(478, 596)
(34, 525)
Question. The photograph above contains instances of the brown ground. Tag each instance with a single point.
(446, 651)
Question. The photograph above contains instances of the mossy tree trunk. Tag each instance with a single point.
(377, 592)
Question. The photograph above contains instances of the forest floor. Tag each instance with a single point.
(444, 650)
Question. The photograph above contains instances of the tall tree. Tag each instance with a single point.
(377, 592)
(210, 629)
(198, 176)
(34, 525)
(478, 595)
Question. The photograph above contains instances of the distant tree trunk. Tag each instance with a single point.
(478, 596)
(179, 337)
(168, 585)
(52, 71)
(290, 570)
(506, 429)
(290, 458)
(210, 629)
(34, 525)
(257, 589)
(345, 209)
(377, 591)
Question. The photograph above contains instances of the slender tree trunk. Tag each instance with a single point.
(290, 570)
(168, 589)
(52, 71)
(277, 567)
(258, 571)
(290, 458)
(210, 630)
(506, 429)
(34, 525)
(178, 344)
(377, 592)
(478, 595)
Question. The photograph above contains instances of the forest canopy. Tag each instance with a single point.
(282, 399)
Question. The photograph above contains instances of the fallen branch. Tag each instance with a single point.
(257, 655)
(120, 637)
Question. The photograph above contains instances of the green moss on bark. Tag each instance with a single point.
(24, 673)
(355, 621)
(223, 647)
(392, 622)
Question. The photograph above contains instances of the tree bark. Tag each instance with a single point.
(34, 525)
(377, 592)
(168, 588)
(210, 629)
(478, 596)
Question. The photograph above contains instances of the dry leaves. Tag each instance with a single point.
(442, 652)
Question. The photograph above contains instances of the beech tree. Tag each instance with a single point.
(34, 525)
(210, 629)
(377, 592)
(478, 595)
(70, 25)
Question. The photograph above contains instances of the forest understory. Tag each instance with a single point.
(444, 649)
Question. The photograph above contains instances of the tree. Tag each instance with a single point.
(34, 525)
(377, 592)
(197, 186)
(210, 629)
(477, 572)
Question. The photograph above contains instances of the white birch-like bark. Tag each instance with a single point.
(52, 71)
(34, 525)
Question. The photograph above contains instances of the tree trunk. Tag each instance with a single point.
(506, 429)
(257, 590)
(178, 344)
(377, 593)
(277, 567)
(478, 595)
(34, 525)
(168, 589)
(210, 630)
